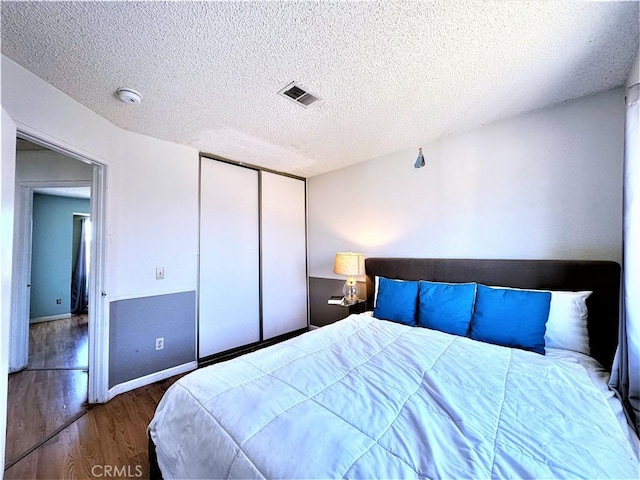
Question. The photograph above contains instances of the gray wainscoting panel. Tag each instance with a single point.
(320, 289)
(134, 325)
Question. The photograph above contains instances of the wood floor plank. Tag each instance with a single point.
(43, 400)
(59, 343)
(40, 402)
(112, 435)
(25, 468)
(91, 452)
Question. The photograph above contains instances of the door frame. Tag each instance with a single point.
(22, 250)
(98, 332)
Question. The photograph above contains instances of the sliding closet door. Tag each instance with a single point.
(229, 290)
(284, 255)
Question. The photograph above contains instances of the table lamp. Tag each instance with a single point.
(349, 264)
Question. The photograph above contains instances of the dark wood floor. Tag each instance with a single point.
(40, 402)
(52, 390)
(102, 441)
(112, 435)
(59, 344)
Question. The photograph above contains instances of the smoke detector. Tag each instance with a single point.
(298, 94)
(129, 95)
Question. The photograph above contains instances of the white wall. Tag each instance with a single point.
(634, 74)
(7, 174)
(45, 165)
(545, 185)
(152, 218)
(151, 193)
(152, 185)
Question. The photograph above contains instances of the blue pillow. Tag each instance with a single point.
(396, 301)
(447, 307)
(513, 318)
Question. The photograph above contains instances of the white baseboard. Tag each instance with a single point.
(49, 318)
(151, 378)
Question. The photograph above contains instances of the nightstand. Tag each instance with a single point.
(358, 307)
(321, 312)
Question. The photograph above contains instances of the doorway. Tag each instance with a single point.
(50, 354)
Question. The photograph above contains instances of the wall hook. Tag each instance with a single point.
(420, 160)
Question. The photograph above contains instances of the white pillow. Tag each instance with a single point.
(567, 323)
(375, 290)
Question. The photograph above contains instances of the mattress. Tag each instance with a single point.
(367, 398)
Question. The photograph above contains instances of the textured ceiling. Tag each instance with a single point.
(391, 75)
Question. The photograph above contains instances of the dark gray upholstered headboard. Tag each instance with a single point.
(601, 277)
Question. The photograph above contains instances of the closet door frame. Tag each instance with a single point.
(229, 258)
(283, 238)
(259, 170)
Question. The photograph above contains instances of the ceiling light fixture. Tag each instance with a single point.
(129, 95)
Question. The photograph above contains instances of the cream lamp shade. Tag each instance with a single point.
(349, 264)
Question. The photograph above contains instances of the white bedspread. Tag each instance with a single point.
(365, 398)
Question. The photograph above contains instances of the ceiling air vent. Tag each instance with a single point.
(297, 94)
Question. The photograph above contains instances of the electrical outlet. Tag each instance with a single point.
(160, 273)
(58, 301)
(159, 343)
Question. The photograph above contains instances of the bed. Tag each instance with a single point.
(368, 397)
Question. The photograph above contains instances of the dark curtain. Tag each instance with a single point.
(80, 278)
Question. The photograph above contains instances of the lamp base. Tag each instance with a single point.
(350, 291)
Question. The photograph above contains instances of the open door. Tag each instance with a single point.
(98, 391)
(21, 290)
(7, 189)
